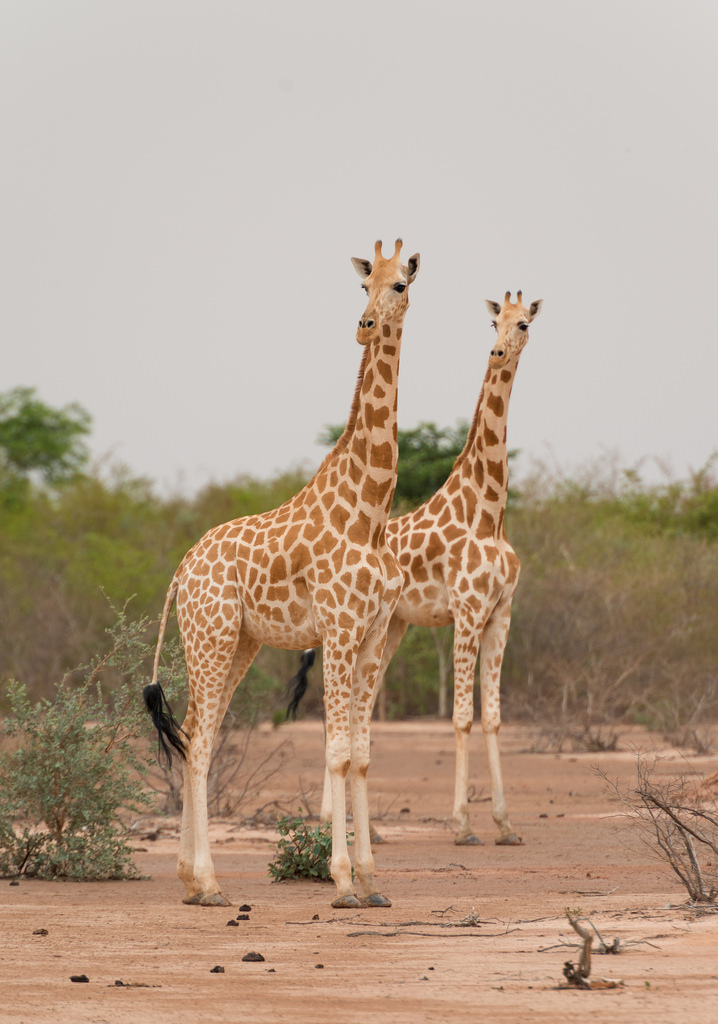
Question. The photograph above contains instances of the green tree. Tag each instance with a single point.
(35, 438)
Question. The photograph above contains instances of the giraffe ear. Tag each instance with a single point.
(535, 308)
(413, 267)
(493, 307)
(362, 267)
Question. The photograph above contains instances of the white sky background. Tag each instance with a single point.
(183, 184)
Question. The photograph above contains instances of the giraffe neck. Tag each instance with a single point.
(483, 463)
(371, 440)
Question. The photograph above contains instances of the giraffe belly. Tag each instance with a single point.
(424, 607)
(279, 629)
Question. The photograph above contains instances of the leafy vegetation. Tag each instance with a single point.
(37, 439)
(69, 771)
(615, 618)
(303, 851)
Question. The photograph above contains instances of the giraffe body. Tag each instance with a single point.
(459, 567)
(316, 570)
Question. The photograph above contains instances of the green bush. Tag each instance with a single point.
(302, 851)
(70, 774)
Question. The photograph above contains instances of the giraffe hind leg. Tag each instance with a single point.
(204, 717)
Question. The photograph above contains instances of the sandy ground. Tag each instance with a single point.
(414, 962)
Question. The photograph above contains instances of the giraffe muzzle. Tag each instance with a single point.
(366, 331)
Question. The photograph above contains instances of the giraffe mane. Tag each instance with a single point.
(473, 428)
(346, 436)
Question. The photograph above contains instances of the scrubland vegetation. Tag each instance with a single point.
(615, 618)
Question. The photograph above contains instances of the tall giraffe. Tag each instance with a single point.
(317, 570)
(459, 567)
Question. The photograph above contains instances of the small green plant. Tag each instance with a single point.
(302, 851)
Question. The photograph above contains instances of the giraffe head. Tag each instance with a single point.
(512, 326)
(386, 282)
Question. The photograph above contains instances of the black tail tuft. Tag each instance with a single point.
(298, 684)
(168, 731)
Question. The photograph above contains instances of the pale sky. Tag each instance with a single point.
(184, 183)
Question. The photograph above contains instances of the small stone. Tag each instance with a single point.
(315, 917)
(14, 883)
(241, 917)
(79, 977)
(41, 931)
(232, 924)
(217, 970)
(253, 958)
(319, 967)
(245, 907)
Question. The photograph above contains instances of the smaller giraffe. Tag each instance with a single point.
(316, 570)
(459, 567)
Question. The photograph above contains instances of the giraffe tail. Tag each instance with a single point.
(169, 733)
(297, 685)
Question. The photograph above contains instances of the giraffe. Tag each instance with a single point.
(459, 567)
(317, 570)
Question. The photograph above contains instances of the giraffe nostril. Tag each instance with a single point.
(370, 323)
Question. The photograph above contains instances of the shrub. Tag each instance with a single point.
(70, 770)
(676, 817)
(302, 851)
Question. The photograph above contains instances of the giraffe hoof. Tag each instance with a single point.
(375, 900)
(510, 840)
(349, 902)
(212, 899)
(470, 840)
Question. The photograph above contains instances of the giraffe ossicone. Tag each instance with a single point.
(315, 571)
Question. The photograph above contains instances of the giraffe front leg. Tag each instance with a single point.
(337, 695)
(364, 692)
(337, 759)
(363, 859)
(492, 653)
(394, 636)
(465, 655)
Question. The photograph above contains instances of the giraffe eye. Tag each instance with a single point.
(399, 288)
(523, 327)
(494, 325)
(364, 287)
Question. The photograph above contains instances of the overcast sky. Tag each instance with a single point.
(184, 183)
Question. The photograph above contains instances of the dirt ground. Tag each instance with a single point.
(149, 958)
